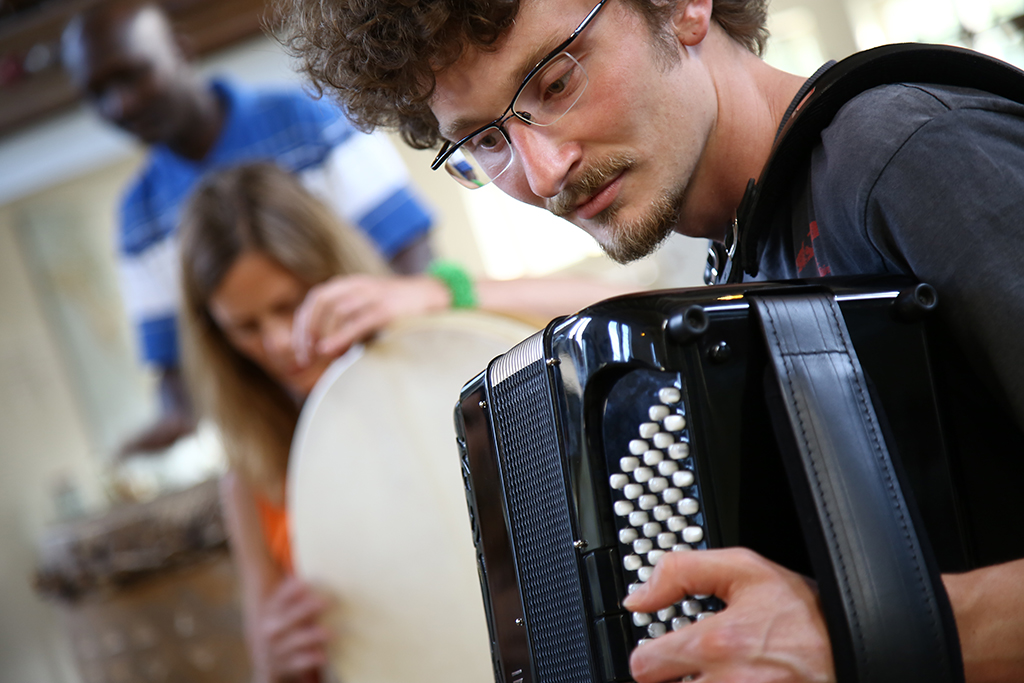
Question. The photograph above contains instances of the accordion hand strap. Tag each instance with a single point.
(888, 615)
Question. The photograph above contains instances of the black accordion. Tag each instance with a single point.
(691, 419)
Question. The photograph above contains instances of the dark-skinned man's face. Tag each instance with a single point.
(130, 68)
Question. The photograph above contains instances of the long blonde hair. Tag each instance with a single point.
(254, 208)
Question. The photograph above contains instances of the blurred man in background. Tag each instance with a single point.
(126, 60)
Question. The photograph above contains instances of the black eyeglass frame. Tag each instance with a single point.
(450, 148)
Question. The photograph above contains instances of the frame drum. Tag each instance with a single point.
(378, 508)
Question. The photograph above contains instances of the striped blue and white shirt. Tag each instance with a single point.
(361, 176)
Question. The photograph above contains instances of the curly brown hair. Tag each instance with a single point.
(378, 57)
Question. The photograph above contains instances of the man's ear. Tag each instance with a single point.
(691, 21)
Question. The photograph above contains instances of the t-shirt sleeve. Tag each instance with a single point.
(950, 204)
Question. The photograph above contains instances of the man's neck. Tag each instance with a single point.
(203, 127)
(752, 99)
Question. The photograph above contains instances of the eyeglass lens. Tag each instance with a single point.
(544, 99)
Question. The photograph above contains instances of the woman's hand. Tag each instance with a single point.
(348, 309)
(290, 644)
(772, 631)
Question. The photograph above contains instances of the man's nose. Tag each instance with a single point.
(545, 158)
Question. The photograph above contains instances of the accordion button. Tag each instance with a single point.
(656, 630)
(678, 451)
(675, 423)
(681, 548)
(632, 562)
(639, 446)
(649, 429)
(703, 615)
(693, 534)
(669, 395)
(658, 484)
(658, 413)
(641, 619)
(667, 539)
(688, 506)
(629, 464)
(692, 608)
(672, 496)
(642, 546)
(644, 573)
(627, 536)
(633, 491)
(676, 524)
(683, 478)
(643, 474)
(653, 457)
(662, 512)
(667, 614)
(647, 502)
(634, 587)
(623, 507)
(651, 529)
(667, 468)
(679, 622)
(664, 440)
(617, 481)
(638, 518)
(654, 556)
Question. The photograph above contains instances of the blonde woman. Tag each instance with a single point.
(274, 290)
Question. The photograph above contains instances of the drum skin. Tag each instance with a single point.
(377, 503)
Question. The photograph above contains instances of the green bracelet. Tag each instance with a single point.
(457, 280)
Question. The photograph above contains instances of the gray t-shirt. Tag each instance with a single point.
(928, 181)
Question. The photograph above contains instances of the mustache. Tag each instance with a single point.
(586, 183)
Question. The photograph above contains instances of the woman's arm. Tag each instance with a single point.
(280, 612)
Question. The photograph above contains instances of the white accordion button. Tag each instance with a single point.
(629, 464)
(651, 529)
(649, 429)
(681, 548)
(679, 622)
(664, 440)
(644, 573)
(658, 413)
(641, 619)
(656, 630)
(703, 615)
(662, 512)
(638, 446)
(678, 451)
(675, 524)
(653, 457)
(683, 478)
(672, 496)
(657, 485)
(634, 587)
(675, 423)
(648, 501)
(667, 613)
(623, 507)
(654, 556)
(642, 546)
(643, 474)
(666, 540)
(667, 468)
(638, 518)
(633, 491)
(632, 562)
(627, 536)
(669, 395)
(618, 480)
(692, 608)
(688, 506)
(692, 534)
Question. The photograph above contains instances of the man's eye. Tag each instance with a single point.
(488, 141)
(559, 86)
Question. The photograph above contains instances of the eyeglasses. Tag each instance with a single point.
(547, 93)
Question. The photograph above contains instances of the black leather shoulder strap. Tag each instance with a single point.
(887, 612)
(903, 63)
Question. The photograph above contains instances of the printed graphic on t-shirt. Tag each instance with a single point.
(806, 260)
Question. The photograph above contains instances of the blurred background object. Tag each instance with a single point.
(70, 385)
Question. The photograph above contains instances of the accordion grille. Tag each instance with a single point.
(523, 418)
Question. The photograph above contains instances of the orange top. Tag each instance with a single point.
(274, 520)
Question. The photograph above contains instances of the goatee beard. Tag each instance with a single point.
(630, 240)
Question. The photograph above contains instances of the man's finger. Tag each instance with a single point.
(682, 573)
